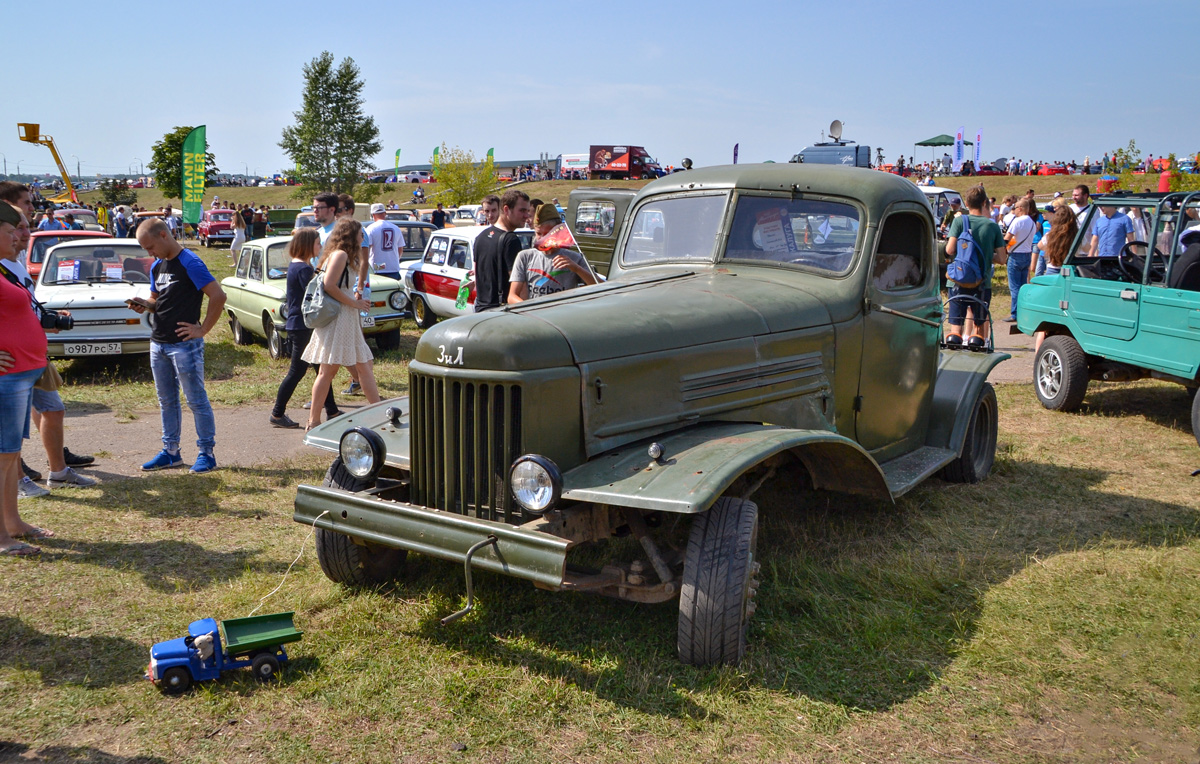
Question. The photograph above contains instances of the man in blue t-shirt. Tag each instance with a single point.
(178, 282)
(325, 207)
(1110, 233)
(50, 223)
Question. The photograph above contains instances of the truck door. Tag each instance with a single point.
(901, 330)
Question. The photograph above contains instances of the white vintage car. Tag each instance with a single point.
(92, 279)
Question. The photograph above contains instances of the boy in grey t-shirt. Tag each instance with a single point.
(536, 273)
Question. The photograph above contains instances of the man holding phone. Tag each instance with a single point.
(179, 280)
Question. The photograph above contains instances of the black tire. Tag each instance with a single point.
(386, 341)
(240, 335)
(276, 344)
(717, 592)
(1060, 373)
(342, 560)
(1196, 416)
(265, 667)
(979, 449)
(175, 680)
(422, 314)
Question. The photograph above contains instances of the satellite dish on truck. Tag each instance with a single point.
(835, 129)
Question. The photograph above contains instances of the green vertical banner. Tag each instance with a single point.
(195, 150)
(397, 173)
(437, 161)
(491, 155)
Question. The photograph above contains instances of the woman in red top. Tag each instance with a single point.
(22, 359)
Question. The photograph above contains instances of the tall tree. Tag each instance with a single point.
(332, 139)
(165, 162)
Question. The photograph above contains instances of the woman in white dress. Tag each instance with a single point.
(239, 235)
(340, 342)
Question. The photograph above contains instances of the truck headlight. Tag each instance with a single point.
(362, 451)
(536, 483)
(398, 300)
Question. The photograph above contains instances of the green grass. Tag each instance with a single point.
(1047, 614)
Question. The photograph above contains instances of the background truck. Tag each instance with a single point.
(256, 642)
(566, 164)
(622, 163)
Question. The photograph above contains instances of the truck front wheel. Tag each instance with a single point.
(342, 560)
(1060, 373)
(716, 598)
(175, 680)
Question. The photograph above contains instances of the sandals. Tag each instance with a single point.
(20, 549)
(35, 534)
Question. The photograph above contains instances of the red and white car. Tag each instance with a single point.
(432, 282)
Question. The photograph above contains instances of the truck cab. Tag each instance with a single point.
(760, 322)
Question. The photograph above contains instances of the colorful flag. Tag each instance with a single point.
(978, 148)
(397, 165)
(958, 150)
(437, 161)
(192, 168)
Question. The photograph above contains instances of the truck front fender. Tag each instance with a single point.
(960, 377)
(698, 464)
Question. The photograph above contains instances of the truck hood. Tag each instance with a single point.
(172, 648)
(672, 309)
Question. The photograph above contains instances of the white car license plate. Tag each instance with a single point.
(92, 348)
(367, 321)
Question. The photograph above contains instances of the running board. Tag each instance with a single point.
(904, 472)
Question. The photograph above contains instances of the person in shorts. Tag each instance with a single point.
(966, 313)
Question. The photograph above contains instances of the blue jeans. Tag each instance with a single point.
(1041, 265)
(1018, 276)
(16, 394)
(182, 364)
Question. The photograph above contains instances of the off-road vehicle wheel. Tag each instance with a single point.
(389, 340)
(979, 449)
(717, 593)
(1196, 415)
(424, 317)
(1060, 373)
(342, 560)
(240, 335)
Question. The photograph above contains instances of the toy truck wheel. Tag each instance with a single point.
(979, 449)
(265, 667)
(175, 680)
(1060, 373)
(342, 560)
(717, 592)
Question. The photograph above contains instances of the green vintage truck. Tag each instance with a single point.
(759, 322)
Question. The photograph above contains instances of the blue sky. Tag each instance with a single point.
(1042, 80)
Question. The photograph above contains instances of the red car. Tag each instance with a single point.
(216, 225)
(988, 169)
(41, 241)
(1053, 169)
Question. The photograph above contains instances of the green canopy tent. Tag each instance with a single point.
(939, 140)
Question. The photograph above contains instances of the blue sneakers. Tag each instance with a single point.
(204, 463)
(163, 461)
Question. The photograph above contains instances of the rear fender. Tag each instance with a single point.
(960, 377)
(700, 463)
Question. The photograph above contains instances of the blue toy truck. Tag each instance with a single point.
(256, 642)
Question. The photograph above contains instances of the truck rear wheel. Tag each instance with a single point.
(979, 448)
(175, 680)
(717, 592)
(1060, 373)
(342, 560)
(265, 667)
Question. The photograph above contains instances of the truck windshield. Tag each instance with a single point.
(807, 232)
(683, 228)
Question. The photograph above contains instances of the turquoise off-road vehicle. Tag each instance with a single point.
(1123, 317)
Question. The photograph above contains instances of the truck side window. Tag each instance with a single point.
(243, 263)
(898, 257)
(595, 218)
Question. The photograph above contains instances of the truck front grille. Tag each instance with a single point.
(465, 435)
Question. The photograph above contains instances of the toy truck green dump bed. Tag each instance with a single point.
(245, 635)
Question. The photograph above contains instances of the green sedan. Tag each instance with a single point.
(257, 291)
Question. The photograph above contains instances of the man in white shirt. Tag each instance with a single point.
(387, 242)
(1081, 205)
